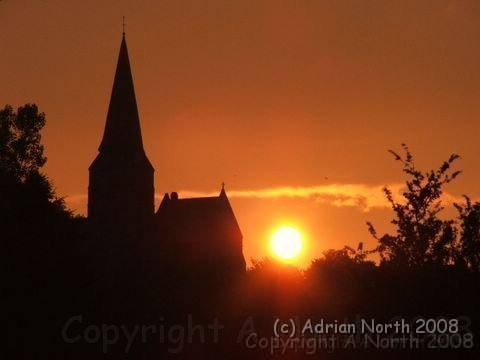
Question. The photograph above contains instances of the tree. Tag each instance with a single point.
(38, 232)
(39, 235)
(469, 247)
(26, 195)
(345, 257)
(21, 151)
(421, 236)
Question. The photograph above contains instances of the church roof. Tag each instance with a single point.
(122, 128)
(201, 219)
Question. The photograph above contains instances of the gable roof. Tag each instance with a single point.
(202, 220)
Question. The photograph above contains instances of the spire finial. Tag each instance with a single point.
(223, 185)
(123, 25)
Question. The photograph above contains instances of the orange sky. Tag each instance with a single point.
(306, 96)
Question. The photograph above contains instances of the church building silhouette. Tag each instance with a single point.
(191, 233)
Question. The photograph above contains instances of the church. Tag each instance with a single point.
(188, 233)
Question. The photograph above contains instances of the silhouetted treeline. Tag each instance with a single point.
(57, 294)
(422, 237)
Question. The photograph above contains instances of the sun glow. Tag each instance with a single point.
(286, 242)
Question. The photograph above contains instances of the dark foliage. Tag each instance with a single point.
(422, 237)
(54, 270)
(469, 245)
(40, 237)
(21, 151)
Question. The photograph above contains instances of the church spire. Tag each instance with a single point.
(122, 129)
(121, 192)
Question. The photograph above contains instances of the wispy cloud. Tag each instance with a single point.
(76, 198)
(361, 196)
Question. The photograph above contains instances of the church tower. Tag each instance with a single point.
(121, 190)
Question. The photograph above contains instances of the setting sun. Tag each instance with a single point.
(286, 242)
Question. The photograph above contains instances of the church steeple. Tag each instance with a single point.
(122, 129)
(121, 193)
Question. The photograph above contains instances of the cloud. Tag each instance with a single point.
(76, 198)
(361, 196)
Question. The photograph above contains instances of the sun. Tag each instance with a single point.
(286, 242)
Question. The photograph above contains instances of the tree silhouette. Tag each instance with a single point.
(421, 236)
(469, 247)
(26, 195)
(39, 236)
(21, 151)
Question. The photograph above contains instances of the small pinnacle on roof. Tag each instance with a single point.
(222, 192)
(123, 25)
